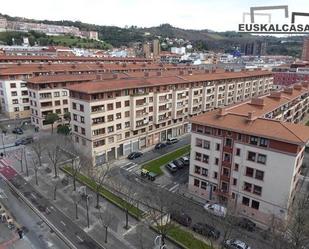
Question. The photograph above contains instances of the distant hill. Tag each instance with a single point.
(200, 39)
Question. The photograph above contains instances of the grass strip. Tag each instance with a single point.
(156, 164)
(108, 195)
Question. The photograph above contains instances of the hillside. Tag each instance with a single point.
(200, 39)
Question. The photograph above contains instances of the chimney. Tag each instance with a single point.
(221, 112)
(257, 101)
(146, 74)
(250, 116)
(181, 72)
(288, 90)
(297, 87)
(115, 76)
(275, 95)
(159, 73)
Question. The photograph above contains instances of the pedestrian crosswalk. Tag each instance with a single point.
(130, 166)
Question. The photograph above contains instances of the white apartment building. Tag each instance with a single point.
(250, 158)
(113, 118)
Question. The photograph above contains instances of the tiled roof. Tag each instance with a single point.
(105, 86)
(61, 78)
(268, 128)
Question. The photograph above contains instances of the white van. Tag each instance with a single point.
(216, 209)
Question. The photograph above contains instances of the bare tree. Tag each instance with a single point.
(54, 153)
(38, 147)
(106, 218)
(26, 161)
(19, 158)
(35, 168)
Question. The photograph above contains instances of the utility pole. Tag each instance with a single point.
(87, 207)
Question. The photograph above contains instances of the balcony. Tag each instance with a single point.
(141, 115)
(165, 100)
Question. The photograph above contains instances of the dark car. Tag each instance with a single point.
(185, 160)
(182, 218)
(172, 141)
(134, 155)
(24, 141)
(206, 230)
(178, 163)
(246, 224)
(160, 146)
(17, 131)
(171, 167)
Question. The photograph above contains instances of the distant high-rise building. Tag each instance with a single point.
(146, 50)
(256, 48)
(156, 48)
(305, 54)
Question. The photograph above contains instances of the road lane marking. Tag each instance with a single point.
(62, 223)
(172, 189)
(79, 238)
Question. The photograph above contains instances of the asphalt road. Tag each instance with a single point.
(68, 228)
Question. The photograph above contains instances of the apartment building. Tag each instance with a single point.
(113, 118)
(13, 79)
(250, 155)
(47, 94)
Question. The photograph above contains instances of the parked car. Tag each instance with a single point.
(185, 160)
(246, 224)
(18, 131)
(235, 244)
(134, 155)
(24, 141)
(172, 140)
(171, 167)
(216, 209)
(206, 230)
(182, 218)
(178, 163)
(160, 146)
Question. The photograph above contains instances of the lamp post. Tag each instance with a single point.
(3, 145)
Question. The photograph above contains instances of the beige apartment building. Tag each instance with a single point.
(113, 118)
(250, 155)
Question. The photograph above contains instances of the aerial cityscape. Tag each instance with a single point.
(134, 125)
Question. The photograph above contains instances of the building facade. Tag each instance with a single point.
(113, 118)
(238, 154)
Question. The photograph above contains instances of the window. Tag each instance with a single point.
(203, 185)
(84, 142)
(118, 126)
(226, 172)
(245, 201)
(251, 156)
(13, 85)
(217, 147)
(261, 159)
(263, 142)
(215, 175)
(58, 111)
(77, 139)
(205, 158)
(118, 115)
(118, 104)
(227, 157)
(196, 183)
(26, 108)
(255, 204)
(81, 108)
(119, 137)
(228, 142)
(254, 140)
(204, 172)
(234, 181)
(249, 172)
(82, 119)
(197, 169)
(257, 190)
(83, 131)
(127, 124)
(259, 175)
(239, 137)
(236, 167)
(110, 118)
(110, 129)
(16, 109)
(74, 117)
(127, 134)
(110, 107)
(198, 142)
(216, 161)
(75, 128)
(65, 101)
(14, 93)
(74, 106)
(110, 140)
(99, 143)
(127, 114)
(198, 156)
(237, 152)
(206, 145)
(247, 186)
(56, 94)
(64, 93)
(15, 101)
(57, 102)
(127, 103)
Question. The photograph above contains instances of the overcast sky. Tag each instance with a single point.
(218, 15)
